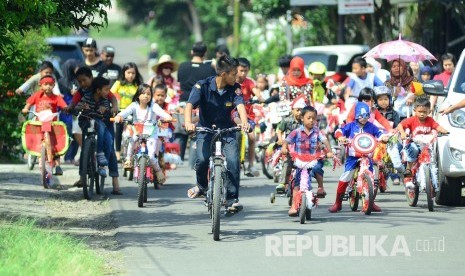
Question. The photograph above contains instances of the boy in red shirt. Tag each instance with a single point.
(45, 99)
(419, 124)
(248, 92)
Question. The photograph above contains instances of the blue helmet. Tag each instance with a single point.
(362, 110)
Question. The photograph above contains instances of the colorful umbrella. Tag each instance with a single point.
(400, 49)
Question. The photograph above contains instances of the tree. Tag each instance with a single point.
(22, 45)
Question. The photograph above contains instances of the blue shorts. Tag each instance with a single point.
(235, 115)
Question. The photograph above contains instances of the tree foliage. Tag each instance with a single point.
(23, 27)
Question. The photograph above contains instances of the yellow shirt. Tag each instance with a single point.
(126, 93)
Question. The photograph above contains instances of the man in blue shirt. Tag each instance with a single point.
(216, 97)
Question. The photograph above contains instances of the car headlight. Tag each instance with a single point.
(456, 154)
(457, 119)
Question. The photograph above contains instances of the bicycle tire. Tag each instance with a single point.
(429, 187)
(31, 161)
(43, 169)
(267, 170)
(141, 179)
(368, 191)
(354, 198)
(88, 169)
(216, 208)
(412, 195)
(303, 208)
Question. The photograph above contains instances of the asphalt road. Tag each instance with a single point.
(171, 234)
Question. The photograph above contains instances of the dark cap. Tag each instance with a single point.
(90, 42)
(108, 49)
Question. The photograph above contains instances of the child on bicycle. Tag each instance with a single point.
(143, 109)
(367, 95)
(384, 105)
(307, 139)
(45, 99)
(97, 105)
(285, 127)
(361, 125)
(216, 97)
(418, 124)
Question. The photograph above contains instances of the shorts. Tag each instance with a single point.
(76, 128)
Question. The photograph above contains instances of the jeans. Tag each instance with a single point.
(181, 139)
(230, 151)
(106, 139)
(411, 152)
(74, 146)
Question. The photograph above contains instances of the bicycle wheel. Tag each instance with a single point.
(368, 194)
(266, 164)
(216, 208)
(141, 179)
(303, 208)
(43, 168)
(412, 195)
(31, 161)
(88, 169)
(429, 187)
(354, 197)
(382, 182)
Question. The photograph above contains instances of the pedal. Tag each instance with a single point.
(345, 197)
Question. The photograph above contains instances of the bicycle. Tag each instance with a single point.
(216, 193)
(361, 185)
(44, 138)
(424, 172)
(308, 199)
(88, 166)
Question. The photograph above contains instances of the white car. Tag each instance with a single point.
(334, 57)
(451, 148)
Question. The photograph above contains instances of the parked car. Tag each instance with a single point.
(336, 58)
(66, 47)
(451, 149)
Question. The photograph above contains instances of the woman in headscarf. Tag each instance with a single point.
(295, 82)
(400, 84)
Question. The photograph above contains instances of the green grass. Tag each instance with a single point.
(28, 250)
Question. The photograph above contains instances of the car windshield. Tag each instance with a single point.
(460, 83)
(65, 52)
(330, 61)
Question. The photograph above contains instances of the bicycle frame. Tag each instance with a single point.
(217, 191)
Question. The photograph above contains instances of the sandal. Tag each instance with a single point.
(116, 192)
(127, 164)
(321, 193)
(194, 192)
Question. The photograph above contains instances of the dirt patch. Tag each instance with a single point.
(62, 209)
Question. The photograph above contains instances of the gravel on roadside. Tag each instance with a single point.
(62, 209)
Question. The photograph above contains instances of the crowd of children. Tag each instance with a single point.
(368, 102)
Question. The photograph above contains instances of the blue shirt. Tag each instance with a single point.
(215, 107)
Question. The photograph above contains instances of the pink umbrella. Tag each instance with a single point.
(400, 49)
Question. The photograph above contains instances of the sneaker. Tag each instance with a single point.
(102, 172)
(252, 172)
(58, 170)
(101, 159)
(396, 181)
